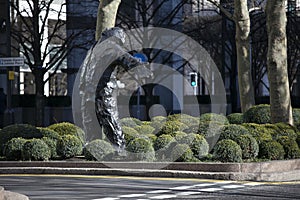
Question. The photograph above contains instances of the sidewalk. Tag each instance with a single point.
(7, 195)
(286, 170)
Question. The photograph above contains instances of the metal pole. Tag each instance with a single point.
(139, 102)
(9, 112)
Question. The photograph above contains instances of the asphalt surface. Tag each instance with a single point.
(54, 187)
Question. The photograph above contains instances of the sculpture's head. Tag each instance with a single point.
(116, 32)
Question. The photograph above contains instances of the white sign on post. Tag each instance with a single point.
(11, 62)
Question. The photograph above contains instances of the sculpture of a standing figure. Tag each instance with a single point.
(107, 90)
(105, 62)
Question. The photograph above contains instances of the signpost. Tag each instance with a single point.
(143, 58)
(9, 63)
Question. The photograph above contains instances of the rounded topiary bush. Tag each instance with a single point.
(140, 149)
(227, 151)
(170, 127)
(160, 119)
(283, 129)
(152, 137)
(13, 148)
(249, 146)
(235, 118)
(232, 131)
(129, 134)
(208, 128)
(179, 136)
(271, 150)
(50, 137)
(130, 122)
(157, 123)
(49, 133)
(69, 146)
(144, 129)
(296, 115)
(187, 139)
(290, 147)
(97, 150)
(66, 128)
(182, 153)
(214, 117)
(36, 150)
(25, 131)
(163, 141)
(259, 114)
(163, 146)
(52, 144)
(211, 131)
(199, 145)
(298, 138)
(184, 118)
(260, 132)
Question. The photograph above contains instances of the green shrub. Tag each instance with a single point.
(146, 123)
(52, 144)
(260, 132)
(214, 117)
(152, 137)
(160, 119)
(69, 146)
(129, 134)
(248, 145)
(184, 118)
(172, 126)
(163, 146)
(271, 150)
(49, 133)
(157, 123)
(66, 128)
(209, 128)
(144, 129)
(290, 147)
(284, 129)
(97, 150)
(259, 114)
(182, 153)
(298, 138)
(188, 138)
(193, 129)
(232, 131)
(211, 131)
(179, 135)
(25, 131)
(130, 122)
(36, 149)
(163, 141)
(141, 149)
(13, 148)
(296, 115)
(199, 145)
(228, 151)
(235, 118)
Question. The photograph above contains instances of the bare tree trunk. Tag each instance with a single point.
(39, 85)
(39, 96)
(281, 110)
(242, 22)
(106, 18)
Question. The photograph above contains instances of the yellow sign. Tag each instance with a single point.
(11, 75)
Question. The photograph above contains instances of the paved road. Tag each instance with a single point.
(54, 187)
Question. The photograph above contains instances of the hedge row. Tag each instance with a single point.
(26, 142)
(179, 137)
(209, 137)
